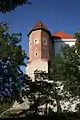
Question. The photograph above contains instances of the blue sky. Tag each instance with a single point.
(57, 15)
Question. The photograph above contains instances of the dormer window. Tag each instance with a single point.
(45, 42)
(35, 41)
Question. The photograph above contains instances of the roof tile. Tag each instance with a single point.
(40, 25)
(62, 35)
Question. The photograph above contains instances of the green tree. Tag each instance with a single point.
(44, 93)
(59, 72)
(77, 45)
(39, 94)
(12, 56)
(67, 68)
(9, 5)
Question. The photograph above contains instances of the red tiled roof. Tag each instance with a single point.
(62, 35)
(40, 25)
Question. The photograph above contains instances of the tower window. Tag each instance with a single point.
(36, 54)
(36, 41)
(45, 42)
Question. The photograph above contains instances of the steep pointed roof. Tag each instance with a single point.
(39, 25)
(62, 35)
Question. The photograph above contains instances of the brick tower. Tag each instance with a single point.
(40, 49)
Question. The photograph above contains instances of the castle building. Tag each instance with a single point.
(43, 45)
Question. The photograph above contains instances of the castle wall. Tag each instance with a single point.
(41, 65)
(46, 45)
(34, 47)
(58, 43)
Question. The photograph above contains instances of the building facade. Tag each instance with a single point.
(43, 45)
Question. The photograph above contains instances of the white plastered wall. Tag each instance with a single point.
(36, 65)
(61, 42)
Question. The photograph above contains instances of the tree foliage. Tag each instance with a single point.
(44, 94)
(77, 36)
(11, 58)
(39, 93)
(66, 69)
(9, 5)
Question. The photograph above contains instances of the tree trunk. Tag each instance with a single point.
(57, 100)
(58, 105)
(45, 112)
